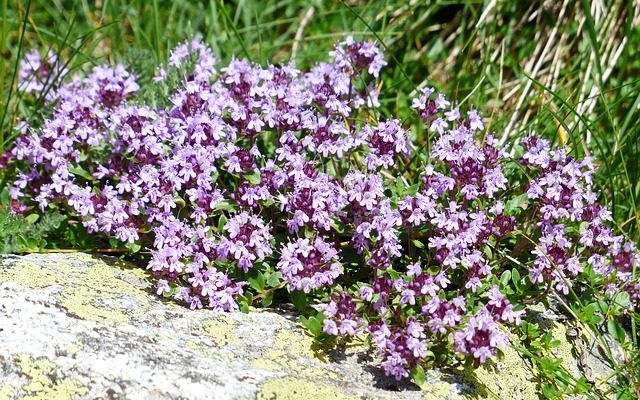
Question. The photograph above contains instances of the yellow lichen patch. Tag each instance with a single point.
(42, 381)
(569, 352)
(29, 275)
(564, 349)
(280, 360)
(293, 389)
(508, 378)
(297, 343)
(267, 364)
(91, 289)
(357, 347)
(293, 353)
(81, 305)
(220, 330)
(196, 345)
(73, 348)
(7, 391)
(438, 391)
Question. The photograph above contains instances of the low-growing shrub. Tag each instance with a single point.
(248, 182)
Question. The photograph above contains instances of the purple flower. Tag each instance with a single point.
(363, 191)
(385, 141)
(36, 73)
(500, 307)
(481, 337)
(358, 56)
(308, 265)
(444, 314)
(247, 156)
(340, 315)
(247, 240)
(401, 347)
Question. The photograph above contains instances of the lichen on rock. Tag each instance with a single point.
(44, 382)
(293, 388)
(77, 326)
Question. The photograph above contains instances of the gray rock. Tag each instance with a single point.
(76, 326)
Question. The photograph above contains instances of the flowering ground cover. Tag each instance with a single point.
(241, 184)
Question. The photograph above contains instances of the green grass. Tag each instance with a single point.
(565, 70)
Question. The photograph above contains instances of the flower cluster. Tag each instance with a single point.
(308, 266)
(274, 170)
(403, 347)
(573, 228)
(37, 74)
(480, 337)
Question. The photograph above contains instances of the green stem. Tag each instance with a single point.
(13, 77)
(3, 46)
(156, 26)
(265, 292)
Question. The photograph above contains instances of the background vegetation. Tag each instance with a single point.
(565, 69)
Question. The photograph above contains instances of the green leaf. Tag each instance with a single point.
(400, 187)
(549, 366)
(582, 386)
(418, 244)
(256, 280)
(413, 189)
(338, 226)
(114, 243)
(267, 300)
(253, 178)
(28, 243)
(602, 306)
(224, 205)
(314, 323)
(505, 278)
(590, 314)
(417, 375)
(170, 292)
(179, 201)
(274, 279)
(393, 274)
(516, 204)
(49, 222)
(32, 218)
(133, 247)
(616, 331)
(622, 299)
(268, 202)
(77, 170)
(245, 301)
(515, 276)
(222, 221)
(317, 323)
(549, 391)
(299, 299)
(487, 252)
(305, 322)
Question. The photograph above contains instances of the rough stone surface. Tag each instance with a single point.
(76, 326)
